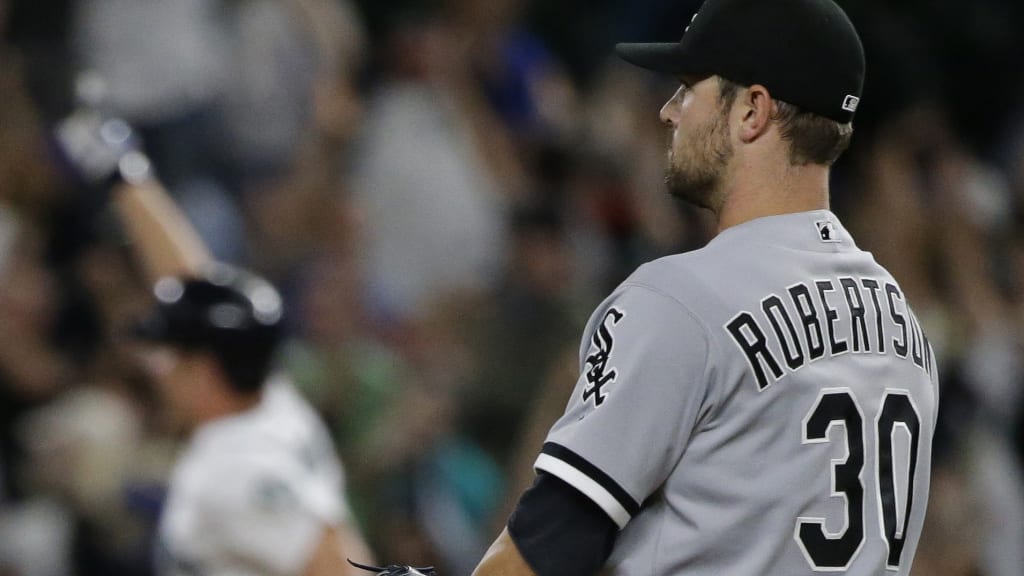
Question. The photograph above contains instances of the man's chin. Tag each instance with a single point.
(697, 194)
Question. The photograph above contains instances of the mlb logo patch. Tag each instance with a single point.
(850, 103)
(827, 232)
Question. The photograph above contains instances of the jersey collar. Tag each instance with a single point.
(814, 231)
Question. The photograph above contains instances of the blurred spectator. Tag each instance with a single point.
(178, 59)
(292, 70)
(170, 85)
(522, 330)
(434, 209)
(436, 489)
(31, 371)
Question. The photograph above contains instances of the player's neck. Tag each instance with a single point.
(758, 191)
(225, 403)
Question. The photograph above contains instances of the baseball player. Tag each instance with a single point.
(259, 488)
(764, 405)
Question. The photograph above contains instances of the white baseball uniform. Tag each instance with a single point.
(764, 405)
(253, 492)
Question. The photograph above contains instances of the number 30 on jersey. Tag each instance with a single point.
(826, 551)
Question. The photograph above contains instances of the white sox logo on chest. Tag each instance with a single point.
(598, 373)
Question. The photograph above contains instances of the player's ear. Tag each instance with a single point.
(755, 108)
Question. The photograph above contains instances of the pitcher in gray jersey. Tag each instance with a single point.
(780, 426)
(765, 405)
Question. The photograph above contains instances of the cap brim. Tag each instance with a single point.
(664, 57)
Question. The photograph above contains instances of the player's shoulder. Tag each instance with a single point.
(281, 418)
(659, 291)
(277, 430)
(677, 277)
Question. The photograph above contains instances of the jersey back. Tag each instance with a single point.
(764, 405)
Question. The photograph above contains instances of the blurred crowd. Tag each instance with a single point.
(443, 190)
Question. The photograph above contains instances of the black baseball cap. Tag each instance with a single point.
(806, 52)
(235, 315)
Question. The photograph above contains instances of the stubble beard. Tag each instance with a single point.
(695, 175)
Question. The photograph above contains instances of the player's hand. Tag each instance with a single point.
(96, 146)
(396, 570)
(98, 149)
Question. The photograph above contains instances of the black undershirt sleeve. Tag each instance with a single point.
(559, 531)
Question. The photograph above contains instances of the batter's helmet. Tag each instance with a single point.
(234, 315)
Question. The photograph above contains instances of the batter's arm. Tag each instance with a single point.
(503, 559)
(105, 155)
(163, 238)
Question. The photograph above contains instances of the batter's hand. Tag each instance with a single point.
(96, 145)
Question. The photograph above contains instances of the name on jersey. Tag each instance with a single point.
(803, 325)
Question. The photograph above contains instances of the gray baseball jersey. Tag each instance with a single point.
(764, 405)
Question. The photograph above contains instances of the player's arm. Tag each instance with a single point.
(163, 238)
(105, 155)
(591, 476)
(503, 559)
(554, 531)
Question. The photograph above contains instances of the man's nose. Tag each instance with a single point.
(670, 111)
(664, 115)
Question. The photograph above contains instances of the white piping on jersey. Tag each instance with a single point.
(591, 489)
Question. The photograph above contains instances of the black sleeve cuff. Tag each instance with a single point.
(559, 531)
